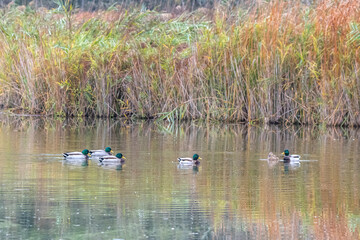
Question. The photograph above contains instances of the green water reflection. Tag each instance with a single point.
(231, 195)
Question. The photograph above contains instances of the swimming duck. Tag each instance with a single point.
(118, 158)
(272, 157)
(189, 161)
(100, 153)
(290, 158)
(83, 155)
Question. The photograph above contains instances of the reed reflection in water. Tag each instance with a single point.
(232, 194)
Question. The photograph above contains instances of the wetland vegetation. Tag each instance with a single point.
(272, 62)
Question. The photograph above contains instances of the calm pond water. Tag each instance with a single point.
(231, 195)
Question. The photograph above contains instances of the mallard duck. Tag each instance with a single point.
(290, 158)
(189, 161)
(118, 158)
(83, 155)
(100, 153)
(272, 157)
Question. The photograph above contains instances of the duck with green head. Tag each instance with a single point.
(290, 158)
(99, 153)
(189, 161)
(83, 155)
(118, 158)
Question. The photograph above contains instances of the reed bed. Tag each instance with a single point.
(278, 62)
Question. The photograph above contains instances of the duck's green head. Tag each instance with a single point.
(196, 156)
(85, 152)
(286, 152)
(108, 149)
(119, 155)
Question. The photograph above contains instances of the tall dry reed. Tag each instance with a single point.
(279, 62)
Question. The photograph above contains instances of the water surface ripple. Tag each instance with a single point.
(233, 194)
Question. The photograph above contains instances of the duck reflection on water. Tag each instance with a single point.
(83, 163)
(291, 166)
(113, 166)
